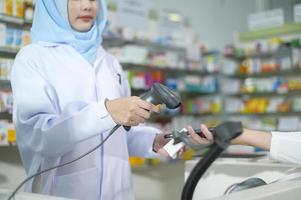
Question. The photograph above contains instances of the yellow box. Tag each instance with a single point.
(136, 161)
(9, 7)
(11, 134)
(19, 8)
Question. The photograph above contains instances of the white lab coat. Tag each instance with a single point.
(286, 147)
(59, 114)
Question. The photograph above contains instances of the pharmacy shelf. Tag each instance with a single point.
(6, 116)
(11, 19)
(255, 55)
(136, 91)
(7, 145)
(5, 84)
(280, 52)
(286, 29)
(237, 155)
(267, 94)
(210, 53)
(272, 114)
(117, 42)
(280, 73)
(165, 69)
(205, 114)
(167, 117)
(15, 21)
(8, 52)
(154, 117)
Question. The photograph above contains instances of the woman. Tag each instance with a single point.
(283, 146)
(68, 94)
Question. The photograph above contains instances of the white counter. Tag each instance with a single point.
(227, 171)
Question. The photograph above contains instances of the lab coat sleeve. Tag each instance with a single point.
(285, 147)
(140, 139)
(39, 122)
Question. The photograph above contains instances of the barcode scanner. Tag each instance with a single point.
(161, 95)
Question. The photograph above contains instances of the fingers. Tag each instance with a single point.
(136, 120)
(148, 106)
(143, 113)
(130, 111)
(193, 135)
(206, 132)
(163, 153)
(180, 153)
(196, 138)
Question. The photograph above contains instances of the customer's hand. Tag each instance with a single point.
(130, 111)
(206, 138)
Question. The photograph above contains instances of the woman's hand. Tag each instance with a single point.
(206, 138)
(130, 111)
(159, 142)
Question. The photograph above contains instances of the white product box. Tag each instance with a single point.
(2, 34)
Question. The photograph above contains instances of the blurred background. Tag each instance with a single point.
(229, 59)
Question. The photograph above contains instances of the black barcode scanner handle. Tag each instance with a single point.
(160, 94)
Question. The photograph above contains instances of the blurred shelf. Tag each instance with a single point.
(237, 155)
(7, 145)
(6, 116)
(8, 52)
(167, 117)
(272, 114)
(165, 69)
(114, 42)
(210, 53)
(11, 19)
(198, 93)
(205, 114)
(282, 51)
(267, 94)
(292, 72)
(28, 22)
(286, 29)
(255, 55)
(15, 21)
(138, 92)
(5, 84)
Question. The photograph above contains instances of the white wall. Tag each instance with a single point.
(287, 6)
(214, 20)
